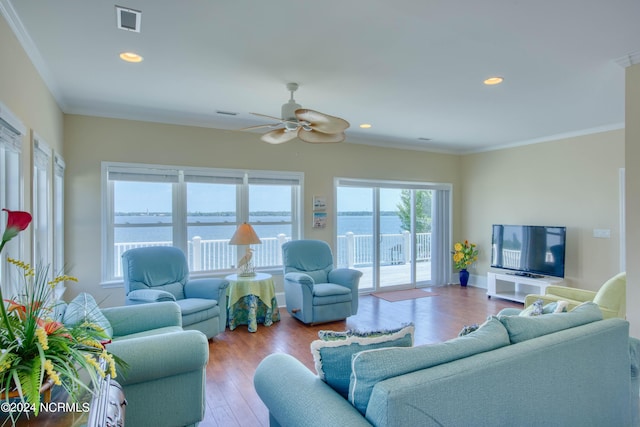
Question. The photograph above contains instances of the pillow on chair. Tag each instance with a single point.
(84, 308)
(332, 352)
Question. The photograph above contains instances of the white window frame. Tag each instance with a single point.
(179, 177)
(12, 133)
(41, 205)
(58, 265)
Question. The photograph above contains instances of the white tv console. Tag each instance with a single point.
(515, 288)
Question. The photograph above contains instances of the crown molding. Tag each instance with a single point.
(7, 10)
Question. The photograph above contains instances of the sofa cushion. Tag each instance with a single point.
(332, 352)
(522, 328)
(537, 308)
(372, 366)
(84, 308)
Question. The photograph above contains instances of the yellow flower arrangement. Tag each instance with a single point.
(464, 254)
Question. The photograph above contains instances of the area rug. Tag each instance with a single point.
(394, 296)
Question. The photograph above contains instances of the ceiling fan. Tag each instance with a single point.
(308, 125)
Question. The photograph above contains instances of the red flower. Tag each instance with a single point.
(16, 222)
(19, 308)
(50, 327)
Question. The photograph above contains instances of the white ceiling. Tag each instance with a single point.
(411, 68)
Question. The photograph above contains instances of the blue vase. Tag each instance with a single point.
(464, 277)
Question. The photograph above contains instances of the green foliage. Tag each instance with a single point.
(423, 210)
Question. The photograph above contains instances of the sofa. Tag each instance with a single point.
(561, 369)
(164, 376)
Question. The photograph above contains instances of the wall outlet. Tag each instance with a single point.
(602, 233)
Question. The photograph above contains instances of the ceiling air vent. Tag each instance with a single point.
(128, 19)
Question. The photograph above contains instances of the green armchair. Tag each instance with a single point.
(164, 382)
(611, 297)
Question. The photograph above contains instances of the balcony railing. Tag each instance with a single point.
(354, 250)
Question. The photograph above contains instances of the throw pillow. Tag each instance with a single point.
(332, 352)
(537, 308)
(84, 308)
(522, 328)
(372, 366)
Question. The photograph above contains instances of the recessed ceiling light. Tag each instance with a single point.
(365, 125)
(131, 57)
(493, 81)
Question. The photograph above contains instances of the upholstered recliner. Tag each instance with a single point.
(160, 359)
(611, 297)
(161, 273)
(315, 291)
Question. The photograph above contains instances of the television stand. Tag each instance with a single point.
(515, 287)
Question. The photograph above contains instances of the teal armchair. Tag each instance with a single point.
(161, 273)
(611, 297)
(164, 380)
(315, 291)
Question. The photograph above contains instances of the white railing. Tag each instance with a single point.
(356, 250)
(353, 251)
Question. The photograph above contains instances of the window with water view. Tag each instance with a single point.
(198, 210)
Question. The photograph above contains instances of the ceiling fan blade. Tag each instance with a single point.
(322, 122)
(295, 122)
(268, 117)
(315, 137)
(278, 136)
(268, 125)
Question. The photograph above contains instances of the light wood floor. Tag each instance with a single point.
(234, 355)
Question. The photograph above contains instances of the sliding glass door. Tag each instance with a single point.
(384, 229)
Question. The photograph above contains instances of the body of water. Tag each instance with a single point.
(156, 228)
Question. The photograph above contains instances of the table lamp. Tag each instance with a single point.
(245, 235)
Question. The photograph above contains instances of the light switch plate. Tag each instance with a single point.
(602, 233)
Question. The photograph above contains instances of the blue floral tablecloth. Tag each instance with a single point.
(250, 301)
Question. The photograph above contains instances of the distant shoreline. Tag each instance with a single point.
(258, 213)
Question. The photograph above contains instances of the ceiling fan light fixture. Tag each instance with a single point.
(289, 110)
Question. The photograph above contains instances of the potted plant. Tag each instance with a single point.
(464, 254)
(36, 349)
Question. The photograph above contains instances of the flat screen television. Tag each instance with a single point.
(529, 250)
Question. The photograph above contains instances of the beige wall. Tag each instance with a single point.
(91, 140)
(572, 182)
(24, 93)
(632, 174)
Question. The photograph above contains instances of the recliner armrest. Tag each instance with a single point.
(209, 288)
(345, 277)
(158, 356)
(131, 319)
(301, 278)
(143, 296)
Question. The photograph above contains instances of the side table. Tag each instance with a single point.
(251, 299)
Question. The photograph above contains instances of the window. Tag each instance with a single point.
(394, 232)
(58, 214)
(197, 210)
(11, 134)
(41, 206)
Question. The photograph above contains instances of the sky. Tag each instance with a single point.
(156, 197)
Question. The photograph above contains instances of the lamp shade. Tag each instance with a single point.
(244, 235)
